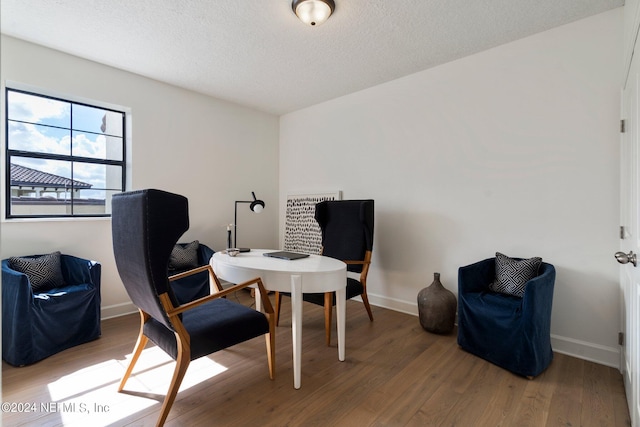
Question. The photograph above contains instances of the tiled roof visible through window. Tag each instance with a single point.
(27, 177)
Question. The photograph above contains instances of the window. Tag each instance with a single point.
(63, 158)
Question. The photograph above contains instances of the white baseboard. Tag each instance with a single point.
(604, 355)
(392, 304)
(117, 310)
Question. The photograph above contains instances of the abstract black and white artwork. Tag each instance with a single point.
(301, 230)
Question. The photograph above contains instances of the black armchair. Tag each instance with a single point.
(145, 226)
(347, 235)
(509, 331)
(37, 323)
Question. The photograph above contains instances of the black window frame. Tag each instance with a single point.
(9, 153)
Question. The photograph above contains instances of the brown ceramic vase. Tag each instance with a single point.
(437, 307)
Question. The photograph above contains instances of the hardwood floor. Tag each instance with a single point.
(395, 374)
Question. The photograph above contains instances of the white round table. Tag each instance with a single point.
(314, 274)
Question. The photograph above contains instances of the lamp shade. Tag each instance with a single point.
(313, 12)
(257, 206)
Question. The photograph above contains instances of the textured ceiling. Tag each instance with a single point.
(257, 53)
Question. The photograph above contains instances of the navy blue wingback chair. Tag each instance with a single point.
(508, 331)
(347, 235)
(146, 225)
(36, 325)
(195, 286)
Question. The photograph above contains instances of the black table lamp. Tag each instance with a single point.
(256, 206)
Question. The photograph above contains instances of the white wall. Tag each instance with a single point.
(514, 150)
(211, 151)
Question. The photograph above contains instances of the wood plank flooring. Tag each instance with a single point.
(395, 374)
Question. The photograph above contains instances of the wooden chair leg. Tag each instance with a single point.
(137, 351)
(182, 363)
(278, 303)
(142, 342)
(328, 305)
(271, 352)
(365, 300)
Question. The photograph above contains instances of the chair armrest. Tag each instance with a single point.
(15, 286)
(363, 273)
(212, 277)
(188, 273)
(204, 254)
(17, 302)
(80, 271)
(476, 277)
(538, 293)
(356, 262)
(171, 311)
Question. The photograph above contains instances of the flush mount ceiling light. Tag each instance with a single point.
(313, 12)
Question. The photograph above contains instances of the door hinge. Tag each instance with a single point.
(622, 126)
(622, 232)
(620, 338)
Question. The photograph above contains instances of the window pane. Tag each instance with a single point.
(97, 120)
(40, 172)
(90, 202)
(97, 146)
(26, 205)
(93, 202)
(115, 148)
(114, 179)
(37, 109)
(90, 175)
(40, 187)
(38, 139)
(97, 176)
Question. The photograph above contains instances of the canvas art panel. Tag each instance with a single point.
(302, 232)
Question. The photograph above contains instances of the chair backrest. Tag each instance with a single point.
(145, 226)
(347, 229)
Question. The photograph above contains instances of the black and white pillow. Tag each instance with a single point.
(44, 272)
(512, 275)
(184, 257)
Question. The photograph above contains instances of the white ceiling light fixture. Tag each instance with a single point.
(313, 12)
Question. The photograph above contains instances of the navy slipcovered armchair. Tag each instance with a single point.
(39, 320)
(509, 331)
(184, 257)
(146, 225)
